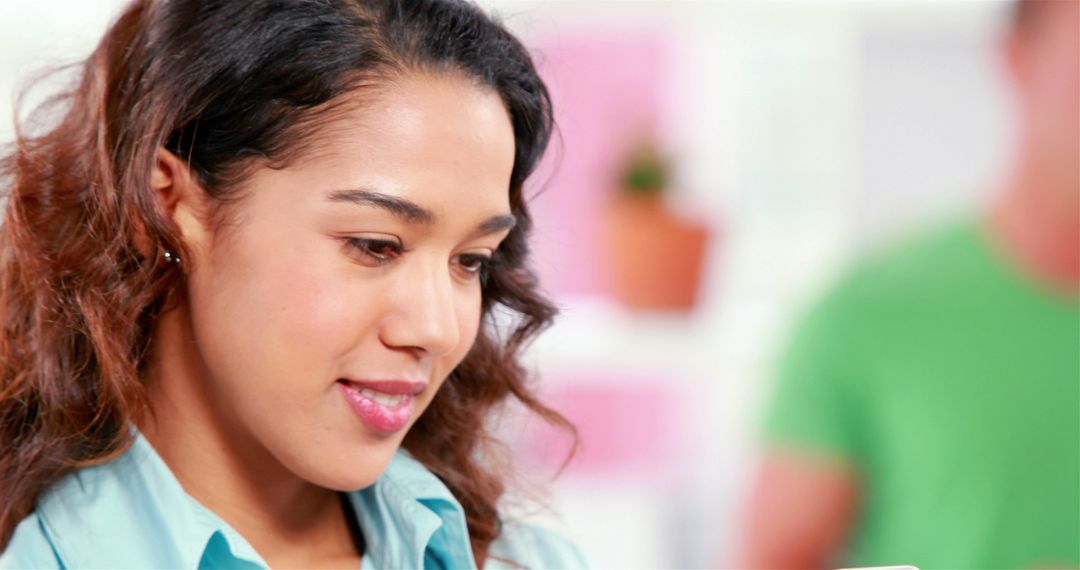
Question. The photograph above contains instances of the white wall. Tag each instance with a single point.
(39, 36)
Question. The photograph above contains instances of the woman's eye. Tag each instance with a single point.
(375, 251)
(475, 264)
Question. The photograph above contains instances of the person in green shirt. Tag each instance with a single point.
(928, 408)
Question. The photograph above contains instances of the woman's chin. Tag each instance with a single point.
(349, 469)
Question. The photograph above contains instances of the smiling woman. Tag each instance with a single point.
(246, 283)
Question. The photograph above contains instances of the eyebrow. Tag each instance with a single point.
(496, 224)
(400, 207)
(411, 211)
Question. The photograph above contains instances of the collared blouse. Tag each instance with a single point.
(132, 513)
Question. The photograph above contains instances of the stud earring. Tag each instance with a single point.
(170, 257)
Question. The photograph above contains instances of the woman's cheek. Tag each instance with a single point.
(469, 326)
(323, 313)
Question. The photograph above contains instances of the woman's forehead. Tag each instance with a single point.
(437, 141)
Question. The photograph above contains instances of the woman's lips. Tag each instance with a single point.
(384, 406)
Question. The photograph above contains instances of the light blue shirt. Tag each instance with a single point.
(133, 513)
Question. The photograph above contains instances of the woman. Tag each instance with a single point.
(251, 271)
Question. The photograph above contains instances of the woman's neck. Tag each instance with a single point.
(289, 522)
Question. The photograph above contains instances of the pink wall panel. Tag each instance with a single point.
(630, 426)
(609, 88)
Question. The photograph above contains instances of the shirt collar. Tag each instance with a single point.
(410, 519)
(133, 512)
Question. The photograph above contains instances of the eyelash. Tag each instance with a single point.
(370, 249)
(484, 264)
(375, 251)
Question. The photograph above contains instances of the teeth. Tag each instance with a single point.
(384, 400)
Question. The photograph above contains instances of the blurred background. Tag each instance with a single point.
(772, 143)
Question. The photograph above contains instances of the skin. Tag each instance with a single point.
(804, 504)
(280, 304)
(1036, 223)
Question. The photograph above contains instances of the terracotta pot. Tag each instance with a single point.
(655, 255)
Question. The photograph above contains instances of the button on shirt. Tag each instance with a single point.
(133, 513)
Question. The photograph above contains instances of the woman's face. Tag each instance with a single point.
(342, 290)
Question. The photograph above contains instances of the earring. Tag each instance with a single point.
(170, 257)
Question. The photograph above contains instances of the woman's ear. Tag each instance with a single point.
(181, 199)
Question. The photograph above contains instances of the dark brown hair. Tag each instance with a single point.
(227, 85)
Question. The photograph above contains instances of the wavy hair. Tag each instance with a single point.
(227, 85)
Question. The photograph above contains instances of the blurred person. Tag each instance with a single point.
(928, 409)
(245, 280)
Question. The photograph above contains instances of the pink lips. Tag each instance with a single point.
(384, 406)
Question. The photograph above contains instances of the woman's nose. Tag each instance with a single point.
(425, 313)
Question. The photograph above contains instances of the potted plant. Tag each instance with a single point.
(655, 254)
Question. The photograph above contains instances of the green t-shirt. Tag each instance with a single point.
(952, 383)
